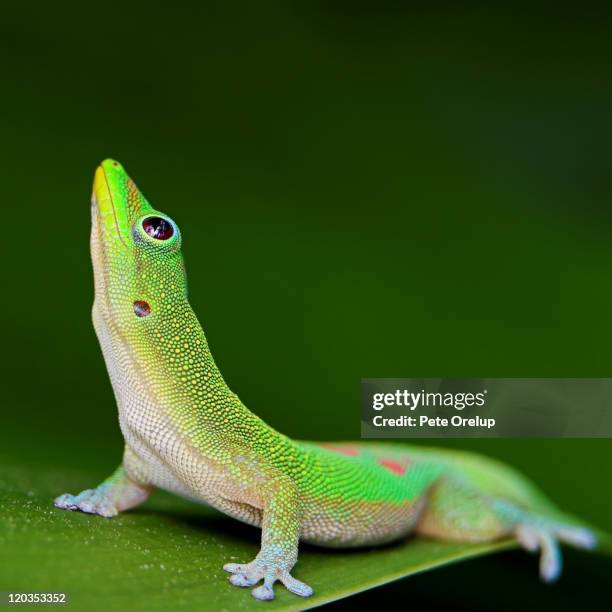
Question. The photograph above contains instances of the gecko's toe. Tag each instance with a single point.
(534, 538)
(295, 586)
(244, 574)
(527, 538)
(242, 580)
(580, 537)
(65, 502)
(550, 559)
(90, 501)
(263, 593)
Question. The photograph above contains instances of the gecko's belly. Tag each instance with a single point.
(358, 523)
(159, 473)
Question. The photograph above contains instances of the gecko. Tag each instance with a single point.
(187, 432)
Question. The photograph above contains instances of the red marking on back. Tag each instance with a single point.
(394, 466)
(352, 451)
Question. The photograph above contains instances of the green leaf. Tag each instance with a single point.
(169, 554)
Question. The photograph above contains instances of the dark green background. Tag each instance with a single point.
(364, 189)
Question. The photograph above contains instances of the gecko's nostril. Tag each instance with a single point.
(158, 228)
(141, 309)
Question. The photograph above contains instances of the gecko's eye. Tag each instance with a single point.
(156, 231)
(158, 228)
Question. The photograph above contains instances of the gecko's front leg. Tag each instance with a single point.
(125, 488)
(279, 547)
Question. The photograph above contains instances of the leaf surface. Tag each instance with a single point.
(169, 553)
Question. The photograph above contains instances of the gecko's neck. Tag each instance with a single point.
(176, 364)
(212, 405)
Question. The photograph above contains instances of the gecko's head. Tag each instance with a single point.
(135, 250)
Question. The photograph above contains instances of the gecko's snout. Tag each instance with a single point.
(117, 200)
(105, 176)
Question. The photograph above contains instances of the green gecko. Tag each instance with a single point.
(186, 432)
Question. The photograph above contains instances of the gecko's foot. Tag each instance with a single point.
(546, 539)
(249, 574)
(92, 501)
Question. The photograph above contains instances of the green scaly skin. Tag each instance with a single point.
(185, 431)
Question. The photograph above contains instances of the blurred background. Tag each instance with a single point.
(364, 190)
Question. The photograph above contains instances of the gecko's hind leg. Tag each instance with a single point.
(459, 512)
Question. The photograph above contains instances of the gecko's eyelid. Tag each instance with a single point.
(158, 228)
